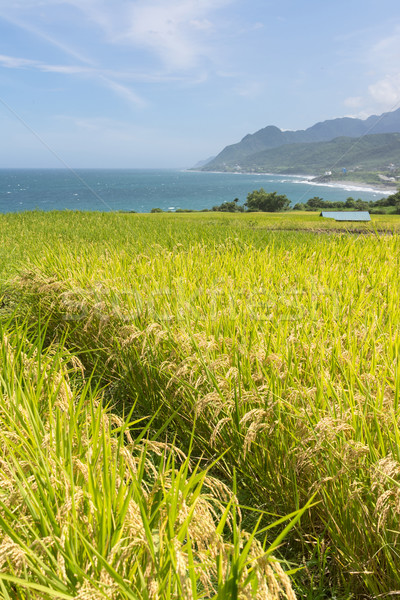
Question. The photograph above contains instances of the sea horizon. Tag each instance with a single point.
(140, 190)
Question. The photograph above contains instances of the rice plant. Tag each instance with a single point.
(91, 507)
(275, 350)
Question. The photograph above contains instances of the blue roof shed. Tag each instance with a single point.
(359, 215)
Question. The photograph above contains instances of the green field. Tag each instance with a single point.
(199, 406)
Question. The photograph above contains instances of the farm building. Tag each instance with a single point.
(359, 215)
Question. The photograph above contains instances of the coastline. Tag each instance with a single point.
(346, 184)
(356, 186)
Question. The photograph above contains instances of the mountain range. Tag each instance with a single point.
(344, 142)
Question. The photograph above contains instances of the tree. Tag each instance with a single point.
(260, 200)
(316, 202)
(361, 205)
(229, 206)
(393, 199)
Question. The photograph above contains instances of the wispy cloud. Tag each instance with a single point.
(178, 32)
(385, 53)
(104, 77)
(177, 40)
(12, 62)
(30, 27)
(124, 92)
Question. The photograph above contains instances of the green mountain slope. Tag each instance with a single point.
(246, 152)
(371, 152)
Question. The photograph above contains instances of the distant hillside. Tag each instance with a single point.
(246, 153)
(201, 163)
(371, 152)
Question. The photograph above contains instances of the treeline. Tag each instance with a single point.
(373, 206)
(262, 201)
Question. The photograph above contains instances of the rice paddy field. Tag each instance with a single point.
(199, 406)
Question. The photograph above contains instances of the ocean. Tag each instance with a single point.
(141, 190)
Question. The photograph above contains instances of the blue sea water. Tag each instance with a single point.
(141, 190)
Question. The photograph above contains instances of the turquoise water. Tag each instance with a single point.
(142, 190)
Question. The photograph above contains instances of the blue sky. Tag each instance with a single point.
(165, 83)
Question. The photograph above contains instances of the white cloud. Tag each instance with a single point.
(182, 34)
(177, 31)
(64, 69)
(28, 26)
(12, 62)
(386, 92)
(384, 59)
(103, 77)
(382, 92)
(385, 53)
(381, 96)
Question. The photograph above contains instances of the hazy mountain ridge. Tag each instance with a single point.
(247, 152)
(203, 162)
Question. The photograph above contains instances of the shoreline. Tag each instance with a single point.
(356, 186)
(310, 179)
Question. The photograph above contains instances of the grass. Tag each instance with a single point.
(253, 342)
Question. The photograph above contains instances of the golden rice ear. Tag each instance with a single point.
(299, 325)
(12, 553)
(77, 447)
